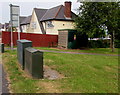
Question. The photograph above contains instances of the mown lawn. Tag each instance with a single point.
(83, 74)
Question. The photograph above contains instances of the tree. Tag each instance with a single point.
(97, 18)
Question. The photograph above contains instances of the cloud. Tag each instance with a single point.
(36, 0)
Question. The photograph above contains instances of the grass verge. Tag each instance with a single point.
(83, 74)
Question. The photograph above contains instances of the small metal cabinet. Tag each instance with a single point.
(21, 45)
(1, 47)
(34, 62)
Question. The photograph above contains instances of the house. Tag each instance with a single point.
(24, 23)
(49, 21)
(0, 27)
(4, 27)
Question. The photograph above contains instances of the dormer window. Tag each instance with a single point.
(49, 24)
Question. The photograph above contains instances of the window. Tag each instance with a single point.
(33, 25)
(49, 24)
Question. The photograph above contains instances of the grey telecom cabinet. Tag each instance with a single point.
(1, 47)
(34, 62)
(21, 45)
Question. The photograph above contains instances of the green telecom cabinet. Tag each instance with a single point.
(21, 45)
(34, 62)
(2, 48)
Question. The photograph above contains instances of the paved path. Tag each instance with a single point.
(4, 83)
(3, 80)
(72, 52)
(0, 78)
(79, 53)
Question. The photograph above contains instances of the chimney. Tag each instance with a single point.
(67, 10)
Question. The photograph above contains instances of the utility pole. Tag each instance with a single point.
(19, 24)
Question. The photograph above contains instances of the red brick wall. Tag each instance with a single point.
(38, 40)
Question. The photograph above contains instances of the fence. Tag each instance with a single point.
(38, 40)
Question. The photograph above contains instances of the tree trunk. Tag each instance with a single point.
(112, 41)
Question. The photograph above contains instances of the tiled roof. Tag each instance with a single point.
(26, 20)
(48, 14)
(22, 18)
(6, 25)
(53, 13)
(40, 13)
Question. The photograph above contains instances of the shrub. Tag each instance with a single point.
(99, 43)
(117, 43)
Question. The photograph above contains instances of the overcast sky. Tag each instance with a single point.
(26, 6)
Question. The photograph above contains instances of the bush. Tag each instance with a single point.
(99, 43)
(117, 43)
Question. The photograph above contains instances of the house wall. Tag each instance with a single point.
(25, 28)
(58, 25)
(34, 24)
